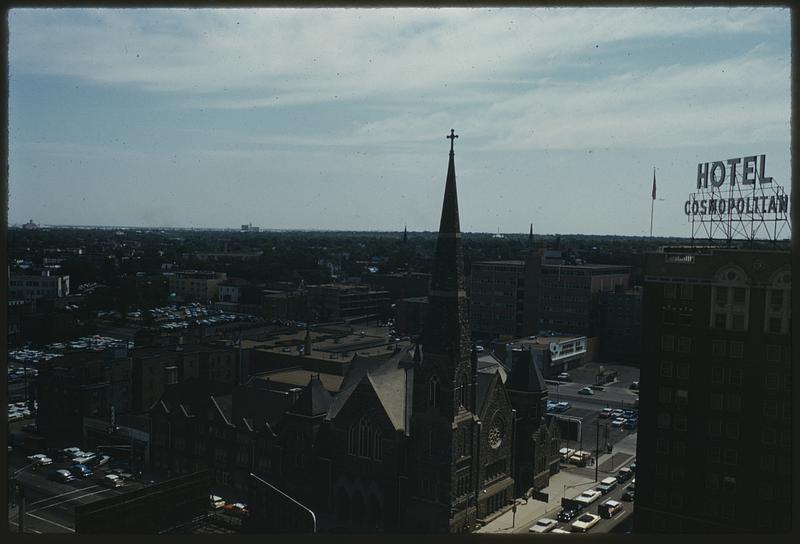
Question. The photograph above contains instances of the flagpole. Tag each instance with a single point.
(652, 202)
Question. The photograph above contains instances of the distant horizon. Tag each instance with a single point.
(377, 231)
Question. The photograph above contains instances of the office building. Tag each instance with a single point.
(714, 449)
(497, 296)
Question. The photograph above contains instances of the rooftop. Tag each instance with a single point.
(300, 378)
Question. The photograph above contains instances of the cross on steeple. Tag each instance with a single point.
(452, 138)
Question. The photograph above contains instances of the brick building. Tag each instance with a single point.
(714, 445)
(497, 296)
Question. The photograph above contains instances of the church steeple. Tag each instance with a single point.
(405, 233)
(446, 330)
(530, 238)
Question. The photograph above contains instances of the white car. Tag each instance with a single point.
(544, 525)
(112, 480)
(559, 531)
(40, 459)
(216, 502)
(584, 523)
(609, 508)
(588, 497)
(619, 422)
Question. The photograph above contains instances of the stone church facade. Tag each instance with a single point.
(422, 441)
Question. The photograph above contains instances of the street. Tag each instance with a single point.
(50, 506)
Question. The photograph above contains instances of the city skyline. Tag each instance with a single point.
(336, 120)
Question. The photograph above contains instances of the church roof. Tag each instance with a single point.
(314, 400)
(392, 381)
(524, 374)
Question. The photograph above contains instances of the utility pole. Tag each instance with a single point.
(597, 452)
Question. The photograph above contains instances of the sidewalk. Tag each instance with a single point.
(563, 484)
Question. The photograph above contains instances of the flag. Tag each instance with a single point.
(654, 183)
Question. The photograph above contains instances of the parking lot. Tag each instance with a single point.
(50, 505)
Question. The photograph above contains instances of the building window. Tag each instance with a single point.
(662, 445)
(731, 457)
(664, 395)
(732, 430)
(684, 344)
(715, 427)
(771, 407)
(664, 420)
(734, 403)
(773, 353)
(680, 422)
(712, 481)
(683, 371)
(661, 471)
(768, 436)
(666, 369)
(667, 342)
(687, 292)
(768, 463)
(737, 350)
(717, 374)
(718, 348)
(714, 454)
(771, 381)
(669, 291)
(681, 396)
(679, 448)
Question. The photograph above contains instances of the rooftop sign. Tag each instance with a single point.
(736, 199)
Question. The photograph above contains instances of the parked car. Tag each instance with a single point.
(632, 466)
(605, 413)
(634, 386)
(562, 406)
(567, 514)
(598, 387)
(588, 496)
(609, 508)
(80, 471)
(112, 480)
(617, 413)
(624, 474)
(216, 502)
(544, 525)
(607, 484)
(584, 523)
(586, 391)
(566, 453)
(61, 475)
(236, 509)
(563, 376)
(98, 461)
(631, 423)
(629, 494)
(559, 530)
(619, 422)
(40, 459)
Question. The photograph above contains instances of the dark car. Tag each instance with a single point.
(81, 471)
(624, 474)
(632, 466)
(630, 423)
(627, 496)
(567, 514)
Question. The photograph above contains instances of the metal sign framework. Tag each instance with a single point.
(749, 212)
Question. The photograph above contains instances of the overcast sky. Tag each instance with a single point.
(336, 118)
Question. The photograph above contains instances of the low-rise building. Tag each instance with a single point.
(45, 284)
(196, 285)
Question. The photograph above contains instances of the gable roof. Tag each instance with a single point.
(524, 374)
(314, 400)
(391, 380)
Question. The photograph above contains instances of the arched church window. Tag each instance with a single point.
(462, 391)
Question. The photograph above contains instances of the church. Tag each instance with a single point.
(428, 440)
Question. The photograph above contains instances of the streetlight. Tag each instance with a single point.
(313, 516)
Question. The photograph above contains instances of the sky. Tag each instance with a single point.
(336, 119)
